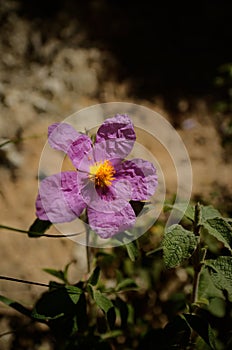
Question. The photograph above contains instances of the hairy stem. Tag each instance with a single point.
(199, 254)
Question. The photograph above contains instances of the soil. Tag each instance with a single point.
(43, 80)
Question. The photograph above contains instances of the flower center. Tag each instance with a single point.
(102, 173)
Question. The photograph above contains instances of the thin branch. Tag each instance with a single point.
(87, 250)
(20, 139)
(12, 279)
(40, 234)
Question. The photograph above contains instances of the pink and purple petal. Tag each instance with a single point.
(141, 175)
(107, 225)
(119, 129)
(61, 136)
(108, 200)
(79, 149)
(112, 149)
(59, 199)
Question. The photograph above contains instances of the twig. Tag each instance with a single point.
(38, 234)
(87, 250)
(12, 279)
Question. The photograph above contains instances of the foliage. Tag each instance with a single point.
(128, 313)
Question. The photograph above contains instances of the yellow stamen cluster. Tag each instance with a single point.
(102, 173)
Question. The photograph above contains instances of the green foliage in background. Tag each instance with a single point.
(133, 298)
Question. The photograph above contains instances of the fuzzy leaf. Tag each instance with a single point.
(206, 288)
(187, 210)
(178, 245)
(220, 271)
(132, 250)
(209, 212)
(220, 229)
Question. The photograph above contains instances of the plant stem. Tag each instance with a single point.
(23, 281)
(20, 139)
(199, 254)
(41, 235)
(87, 250)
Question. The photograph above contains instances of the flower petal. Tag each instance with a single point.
(59, 199)
(79, 149)
(65, 138)
(107, 225)
(61, 136)
(107, 200)
(118, 128)
(142, 176)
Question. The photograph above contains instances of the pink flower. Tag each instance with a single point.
(104, 183)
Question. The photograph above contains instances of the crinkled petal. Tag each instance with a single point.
(61, 136)
(118, 128)
(141, 175)
(107, 225)
(79, 149)
(59, 199)
(113, 150)
(64, 137)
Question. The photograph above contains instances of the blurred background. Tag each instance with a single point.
(59, 56)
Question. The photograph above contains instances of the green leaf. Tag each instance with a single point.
(93, 279)
(106, 306)
(217, 307)
(112, 334)
(154, 251)
(57, 303)
(220, 229)
(178, 245)
(127, 283)
(103, 302)
(74, 293)
(55, 285)
(38, 228)
(220, 271)
(123, 310)
(62, 275)
(137, 206)
(15, 305)
(56, 273)
(209, 212)
(206, 288)
(177, 333)
(81, 314)
(132, 250)
(202, 327)
(66, 270)
(187, 210)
